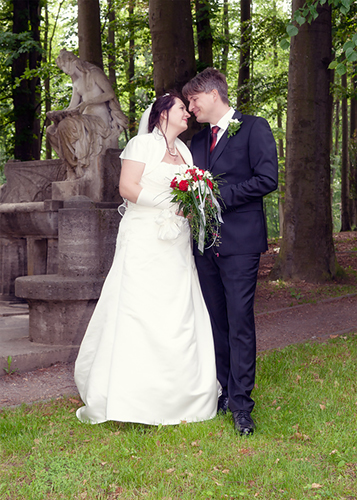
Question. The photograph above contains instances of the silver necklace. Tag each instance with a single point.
(174, 153)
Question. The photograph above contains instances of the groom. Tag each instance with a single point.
(247, 163)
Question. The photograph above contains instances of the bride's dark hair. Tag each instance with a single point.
(162, 103)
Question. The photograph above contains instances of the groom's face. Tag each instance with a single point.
(202, 105)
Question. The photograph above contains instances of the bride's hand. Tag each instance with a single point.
(181, 214)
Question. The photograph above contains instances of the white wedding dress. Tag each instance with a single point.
(148, 354)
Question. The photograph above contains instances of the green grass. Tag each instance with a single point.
(305, 445)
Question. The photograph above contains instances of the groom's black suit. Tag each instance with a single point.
(247, 164)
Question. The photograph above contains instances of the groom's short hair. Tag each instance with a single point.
(209, 79)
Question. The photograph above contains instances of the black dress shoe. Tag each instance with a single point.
(222, 404)
(243, 422)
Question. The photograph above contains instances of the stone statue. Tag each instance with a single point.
(92, 122)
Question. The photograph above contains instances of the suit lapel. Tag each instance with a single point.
(218, 150)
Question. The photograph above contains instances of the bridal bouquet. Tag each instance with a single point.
(196, 191)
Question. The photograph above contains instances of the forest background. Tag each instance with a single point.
(293, 63)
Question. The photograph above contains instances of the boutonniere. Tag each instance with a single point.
(233, 126)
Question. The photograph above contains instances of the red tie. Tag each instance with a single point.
(214, 133)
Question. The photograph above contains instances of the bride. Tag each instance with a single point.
(148, 355)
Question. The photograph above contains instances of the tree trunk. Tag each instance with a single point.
(204, 34)
(35, 83)
(173, 49)
(353, 115)
(335, 147)
(48, 56)
(345, 204)
(307, 250)
(47, 84)
(225, 50)
(244, 61)
(337, 127)
(111, 43)
(281, 155)
(131, 71)
(26, 99)
(281, 187)
(172, 44)
(353, 149)
(89, 36)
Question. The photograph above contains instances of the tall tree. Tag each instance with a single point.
(131, 69)
(26, 98)
(46, 82)
(335, 144)
(204, 34)
(281, 155)
(345, 202)
(89, 32)
(353, 148)
(47, 57)
(307, 250)
(244, 60)
(172, 44)
(225, 48)
(111, 44)
(173, 50)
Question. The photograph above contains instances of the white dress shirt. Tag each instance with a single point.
(223, 123)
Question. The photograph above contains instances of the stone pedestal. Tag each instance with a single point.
(100, 183)
(28, 223)
(61, 305)
(13, 263)
(28, 181)
(29, 203)
(28, 242)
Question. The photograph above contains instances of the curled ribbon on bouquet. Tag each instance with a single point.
(170, 225)
(219, 213)
(201, 209)
(123, 207)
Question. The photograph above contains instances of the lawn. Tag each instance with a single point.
(305, 445)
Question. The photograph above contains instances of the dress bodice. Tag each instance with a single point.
(157, 180)
(160, 177)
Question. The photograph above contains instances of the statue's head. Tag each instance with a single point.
(67, 61)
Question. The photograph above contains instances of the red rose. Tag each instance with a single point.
(183, 185)
(173, 182)
(209, 183)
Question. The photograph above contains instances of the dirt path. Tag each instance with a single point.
(281, 319)
(308, 322)
(275, 329)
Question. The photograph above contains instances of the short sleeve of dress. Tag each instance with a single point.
(136, 149)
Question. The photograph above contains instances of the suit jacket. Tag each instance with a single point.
(248, 166)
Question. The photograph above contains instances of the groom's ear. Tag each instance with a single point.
(215, 94)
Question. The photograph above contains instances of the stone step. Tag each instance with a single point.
(15, 342)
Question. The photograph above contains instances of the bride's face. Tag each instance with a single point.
(178, 116)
